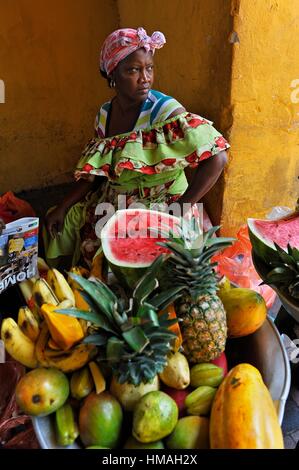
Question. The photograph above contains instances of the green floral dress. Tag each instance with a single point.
(146, 165)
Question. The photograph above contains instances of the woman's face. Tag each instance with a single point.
(134, 75)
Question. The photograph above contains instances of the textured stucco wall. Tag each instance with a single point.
(264, 156)
(49, 63)
(194, 66)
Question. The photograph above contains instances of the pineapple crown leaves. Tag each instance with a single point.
(189, 263)
(135, 340)
(285, 272)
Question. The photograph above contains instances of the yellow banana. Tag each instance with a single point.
(43, 294)
(60, 286)
(17, 344)
(28, 323)
(52, 345)
(74, 359)
(67, 361)
(41, 344)
(65, 304)
(42, 265)
(26, 288)
(80, 271)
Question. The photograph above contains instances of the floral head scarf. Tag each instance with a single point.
(122, 42)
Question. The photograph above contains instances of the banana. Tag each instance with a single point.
(43, 294)
(42, 265)
(81, 272)
(73, 359)
(67, 303)
(41, 344)
(17, 344)
(26, 289)
(28, 323)
(52, 345)
(60, 286)
(66, 361)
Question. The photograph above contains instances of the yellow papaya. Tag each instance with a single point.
(246, 311)
(64, 330)
(243, 414)
(174, 328)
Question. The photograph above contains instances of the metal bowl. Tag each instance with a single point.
(263, 349)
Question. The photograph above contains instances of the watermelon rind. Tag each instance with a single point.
(127, 273)
(262, 247)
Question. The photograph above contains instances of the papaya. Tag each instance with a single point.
(174, 328)
(64, 330)
(243, 414)
(246, 311)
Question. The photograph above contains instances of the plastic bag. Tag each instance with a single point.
(236, 264)
(13, 208)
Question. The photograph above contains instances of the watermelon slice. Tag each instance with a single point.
(264, 233)
(129, 244)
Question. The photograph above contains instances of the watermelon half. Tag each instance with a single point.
(129, 244)
(263, 234)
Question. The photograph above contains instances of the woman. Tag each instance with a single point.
(144, 140)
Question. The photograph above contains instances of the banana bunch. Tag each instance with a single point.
(60, 286)
(29, 340)
(17, 344)
(28, 323)
(66, 361)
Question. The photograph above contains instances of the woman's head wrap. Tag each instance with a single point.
(122, 42)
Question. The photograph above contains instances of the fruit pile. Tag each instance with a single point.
(143, 366)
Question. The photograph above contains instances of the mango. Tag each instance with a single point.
(100, 420)
(191, 432)
(42, 391)
(176, 373)
(154, 417)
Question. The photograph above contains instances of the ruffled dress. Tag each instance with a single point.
(145, 165)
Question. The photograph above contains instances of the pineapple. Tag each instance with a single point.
(132, 339)
(285, 272)
(201, 312)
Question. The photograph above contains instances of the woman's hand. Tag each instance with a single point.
(55, 220)
(2, 225)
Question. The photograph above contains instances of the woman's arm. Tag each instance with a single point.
(207, 173)
(55, 218)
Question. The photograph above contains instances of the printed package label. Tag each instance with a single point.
(18, 251)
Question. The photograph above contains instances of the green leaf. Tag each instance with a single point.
(148, 283)
(161, 301)
(147, 312)
(98, 340)
(178, 250)
(136, 339)
(114, 349)
(98, 294)
(96, 319)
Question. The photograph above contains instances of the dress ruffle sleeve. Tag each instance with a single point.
(185, 140)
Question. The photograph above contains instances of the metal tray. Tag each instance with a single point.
(263, 349)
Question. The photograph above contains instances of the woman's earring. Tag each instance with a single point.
(112, 83)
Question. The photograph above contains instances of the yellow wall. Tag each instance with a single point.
(49, 63)
(264, 156)
(194, 66)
